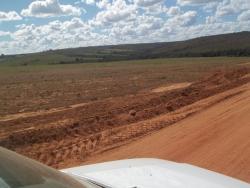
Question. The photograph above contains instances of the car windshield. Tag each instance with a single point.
(17, 171)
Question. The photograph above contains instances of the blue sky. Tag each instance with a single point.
(31, 26)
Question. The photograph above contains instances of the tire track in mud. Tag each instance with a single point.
(215, 138)
(116, 137)
(70, 141)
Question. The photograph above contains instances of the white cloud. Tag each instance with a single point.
(9, 16)
(195, 2)
(228, 7)
(4, 33)
(142, 29)
(116, 11)
(212, 29)
(174, 10)
(89, 2)
(50, 8)
(149, 24)
(145, 28)
(124, 21)
(147, 3)
(54, 28)
(186, 19)
(244, 16)
(210, 7)
(103, 4)
(55, 34)
(155, 9)
(225, 8)
(211, 19)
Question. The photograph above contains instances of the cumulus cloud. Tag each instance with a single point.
(155, 9)
(4, 33)
(211, 19)
(149, 24)
(225, 8)
(186, 19)
(147, 3)
(9, 16)
(50, 8)
(55, 34)
(89, 2)
(244, 16)
(210, 7)
(195, 2)
(102, 4)
(212, 29)
(174, 10)
(116, 11)
(228, 7)
(145, 28)
(122, 21)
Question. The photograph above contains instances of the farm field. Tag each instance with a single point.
(70, 114)
(44, 86)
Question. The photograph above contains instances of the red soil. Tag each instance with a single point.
(70, 136)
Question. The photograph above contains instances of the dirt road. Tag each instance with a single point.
(217, 138)
(205, 123)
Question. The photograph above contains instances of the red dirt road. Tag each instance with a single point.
(206, 123)
(217, 138)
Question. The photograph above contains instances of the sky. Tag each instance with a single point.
(31, 26)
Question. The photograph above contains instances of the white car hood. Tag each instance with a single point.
(153, 173)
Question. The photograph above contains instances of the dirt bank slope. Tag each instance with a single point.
(216, 138)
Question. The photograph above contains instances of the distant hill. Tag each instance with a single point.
(233, 44)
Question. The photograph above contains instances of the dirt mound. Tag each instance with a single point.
(78, 132)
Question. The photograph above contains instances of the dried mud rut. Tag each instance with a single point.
(113, 128)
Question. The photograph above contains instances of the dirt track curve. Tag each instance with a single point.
(217, 138)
